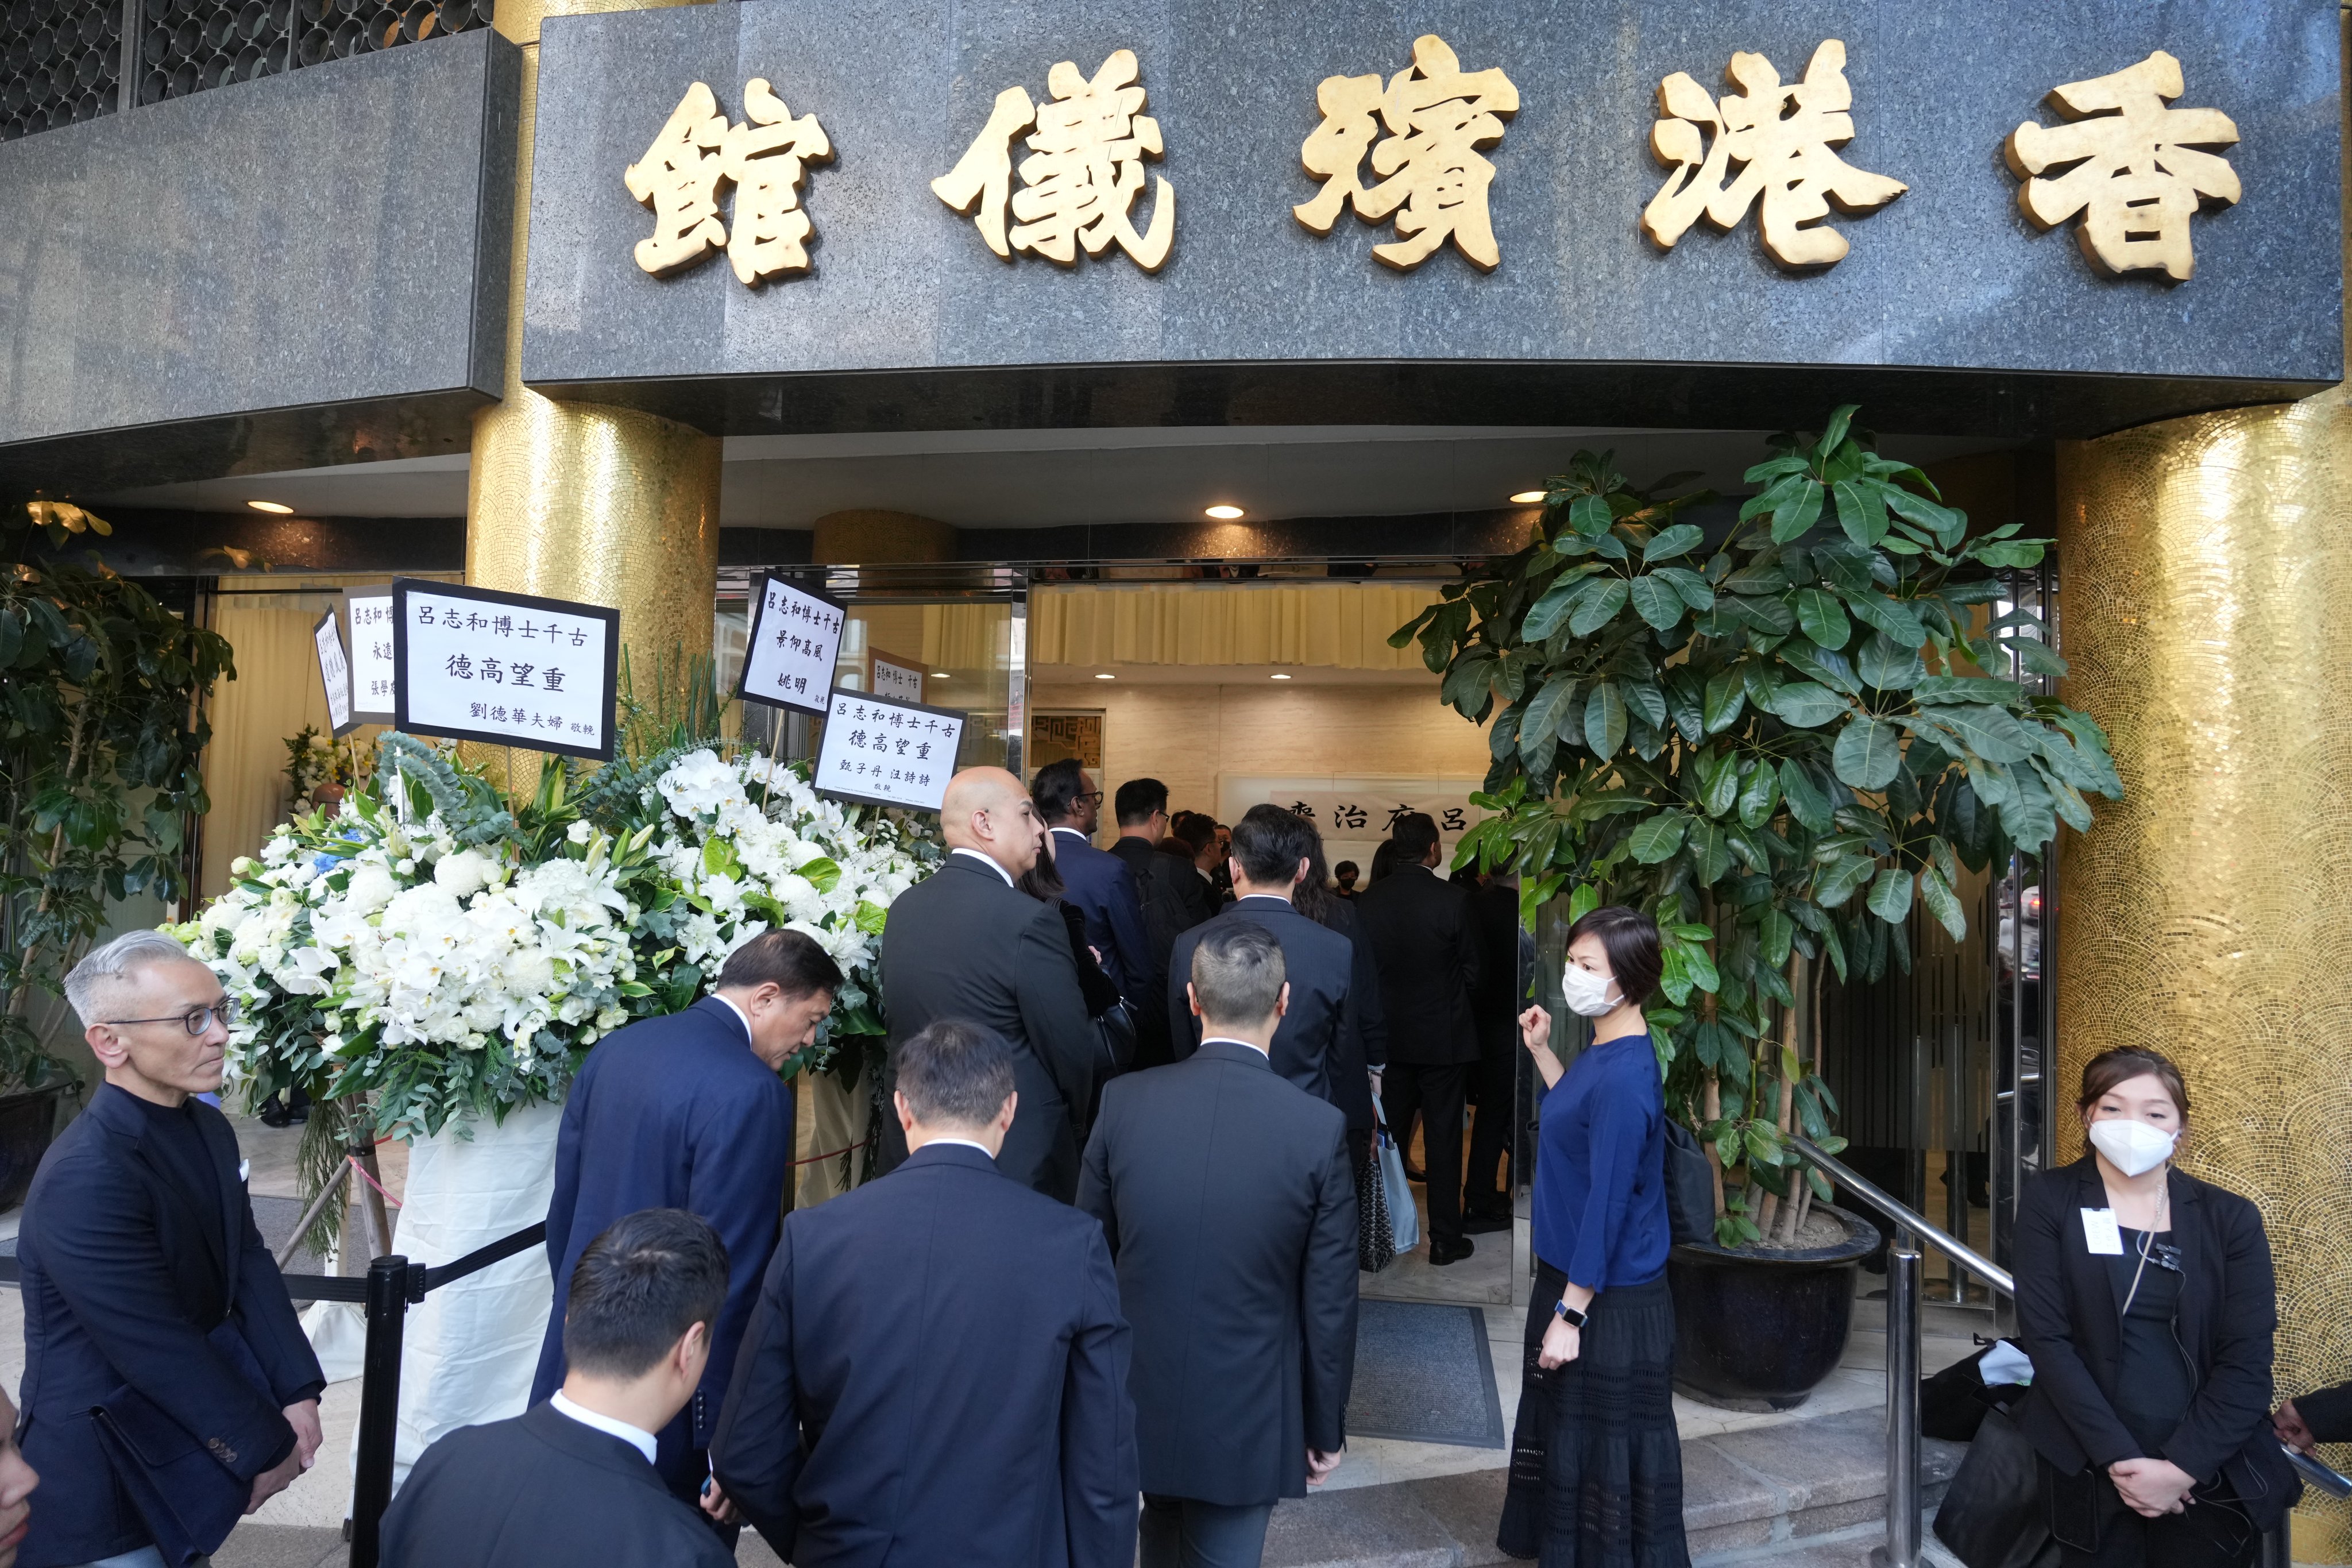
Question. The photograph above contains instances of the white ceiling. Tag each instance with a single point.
(1042, 479)
(1225, 675)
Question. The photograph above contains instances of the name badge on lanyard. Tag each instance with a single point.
(2100, 1233)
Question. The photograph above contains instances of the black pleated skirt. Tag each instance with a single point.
(1596, 1466)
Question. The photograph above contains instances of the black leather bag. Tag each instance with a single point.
(1995, 1514)
(1690, 1187)
(1375, 1236)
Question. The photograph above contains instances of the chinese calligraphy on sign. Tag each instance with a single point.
(509, 669)
(1356, 819)
(790, 651)
(1782, 136)
(2138, 177)
(893, 754)
(1437, 117)
(334, 674)
(680, 175)
(367, 611)
(1082, 177)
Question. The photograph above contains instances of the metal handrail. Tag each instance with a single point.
(1909, 1218)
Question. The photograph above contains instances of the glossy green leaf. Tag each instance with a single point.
(1943, 903)
(1710, 851)
(1774, 934)
(1837, 881)
(1860, 515)
(1695, 590)
(1589, 516)
(1890, 895)
(1678, 540)
(1800, 513)
(1992, 734)
(1966, 688)
(1761, 795)
(1806, 704)
(1718, 788)
(1884, 614)
(1604, 719)
(1727, 694)
(1598, 607)
(1656, 602)
(1543, 616)
(1884, 664)
(1655, 841)
(1644, 698)
(1867, 753)
(1821, 618)
(1807, 804)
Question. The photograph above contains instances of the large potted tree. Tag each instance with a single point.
(1774, 736)
(101, 730)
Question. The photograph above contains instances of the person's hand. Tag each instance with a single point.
(1319, 1466)
(718, 1504)
(1561, 1344)
(304, 1418)
(1535, 1031)
(2291, 1427)
(2151, 1488)
(270, 1482)
(1096, 951)
(1374, 1074)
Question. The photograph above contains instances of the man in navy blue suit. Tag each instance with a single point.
(937, 1371)
(152, 1309)
(687, 1112)
(1097, 881)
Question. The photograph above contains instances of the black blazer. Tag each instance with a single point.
(1425, 938)
(1366, 1045)
(2067, 1313)
(1245, 1328)
(1312, 1046)
(541, 1490)
(1100, 883)
(123, 1278)
(964, 944)
(1495, 1003)
(936, 1372)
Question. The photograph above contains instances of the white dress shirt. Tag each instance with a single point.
(740, 1016)
(637, 1438)
(987, 862)
(1228, 1039)
(960, 1142)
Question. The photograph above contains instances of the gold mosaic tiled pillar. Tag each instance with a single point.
(579, 500)
(2205, 598)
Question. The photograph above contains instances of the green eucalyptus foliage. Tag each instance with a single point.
(1775, 743)
(101, 730)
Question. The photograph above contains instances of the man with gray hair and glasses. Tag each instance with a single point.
(168, 1386)
(1245, 1325)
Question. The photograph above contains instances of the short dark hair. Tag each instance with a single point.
(1266, 843)
(955, 1074)
(792, 960)
(1415, 835)
(1238, 973)
(1056, 786)
(1629, 938)
(647, 1278)
(1137, 799)
(1191, 829)
(2108, 1068)
(1344, 866)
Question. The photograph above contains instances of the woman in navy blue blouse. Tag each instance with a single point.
(1596, 1465)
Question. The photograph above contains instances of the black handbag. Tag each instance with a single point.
(189, 1500)
(1690, 1187)
(1375, 1235)
(1995, 1514)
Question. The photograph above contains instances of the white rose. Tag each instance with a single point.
(369, 889)
(224, 914)
(580, 832)
(465, 873)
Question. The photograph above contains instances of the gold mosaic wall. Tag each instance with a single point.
(577, 500)
(2207, 603)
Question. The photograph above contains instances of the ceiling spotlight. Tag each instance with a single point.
(1105, 675)
(1277, 675)
(277, 507)
(1527, 498)
(939, 674)
(1224, 513)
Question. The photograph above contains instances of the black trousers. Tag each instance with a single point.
(1437, 1093)
(2096, 1528)
(1491, 1082)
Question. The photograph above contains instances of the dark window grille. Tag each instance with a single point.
(189, 46)
(60, 62)
(337, 29)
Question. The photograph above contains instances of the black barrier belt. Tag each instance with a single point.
(340, 1288)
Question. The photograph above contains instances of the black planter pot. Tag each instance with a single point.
(27, 1121)
(1758, 1330)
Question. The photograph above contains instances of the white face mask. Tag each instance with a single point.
(1587, 994)
(2132, 1146)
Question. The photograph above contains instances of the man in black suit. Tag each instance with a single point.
(573, 1480)
(1143, 809)
(1316, 1043)
(1193, 840)
(1245, 1329)
(937, 1371)
(966, 943)
(157, 1330)
(687, 1112)
(1426, 942)
(1095, 880)
(1493, 1012)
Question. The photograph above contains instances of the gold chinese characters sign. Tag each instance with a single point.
(2131, 168)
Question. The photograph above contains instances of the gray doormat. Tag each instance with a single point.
(1424, 1373)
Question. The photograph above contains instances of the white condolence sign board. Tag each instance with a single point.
(901, 682)
(509, 669)
(334, 673)
(367, 628)
(788, 653)
(888, 753)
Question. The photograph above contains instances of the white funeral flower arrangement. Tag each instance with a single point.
(428, 944)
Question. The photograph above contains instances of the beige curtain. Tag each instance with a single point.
(276, 692)
(1341, 626)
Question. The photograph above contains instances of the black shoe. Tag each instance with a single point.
(1442, 1252)
(1485, 1224)
(1413, 1174)
(274, 1112)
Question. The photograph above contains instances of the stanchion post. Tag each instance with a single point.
(387, 1313)
(2278, 1546)
(1903, 1289)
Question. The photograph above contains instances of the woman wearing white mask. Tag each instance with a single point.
(2145, 1298)
(1596, 1466)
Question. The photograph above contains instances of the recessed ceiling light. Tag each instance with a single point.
(1224, 513)
(1106, 675)
(1277, 675)
(939, 674)
(278, 507)
(1527, 498)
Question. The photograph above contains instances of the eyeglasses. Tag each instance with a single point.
(198, 1021)
(1093, 797)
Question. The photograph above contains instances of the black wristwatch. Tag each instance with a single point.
(1567, 1314)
